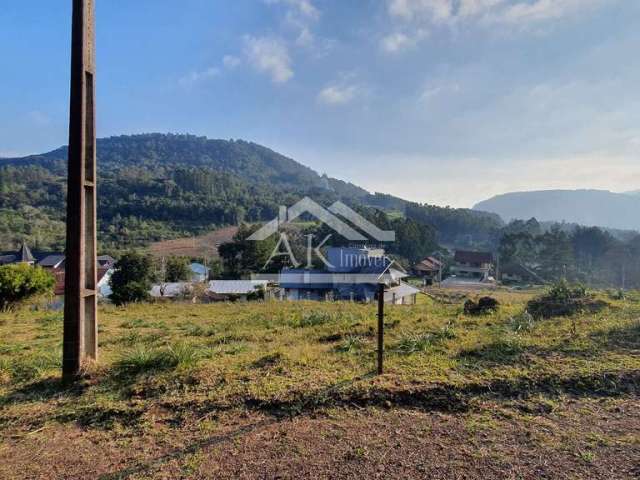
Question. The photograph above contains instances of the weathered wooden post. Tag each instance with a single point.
(80, 309)
(381, 288)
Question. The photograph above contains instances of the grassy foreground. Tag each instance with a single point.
(179, 386)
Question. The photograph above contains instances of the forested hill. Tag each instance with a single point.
(156, 186)
(252, 162)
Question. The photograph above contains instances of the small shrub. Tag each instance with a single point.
(350, 344)
(22, 282)
(484, 306)
(563, 300)
(617, 295)
(522, 323)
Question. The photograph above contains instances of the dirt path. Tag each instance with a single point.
(568, 439)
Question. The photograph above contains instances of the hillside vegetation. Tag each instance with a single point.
(158, 187)
(229, 390)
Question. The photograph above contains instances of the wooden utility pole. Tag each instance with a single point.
(381, 288)
(80, 308)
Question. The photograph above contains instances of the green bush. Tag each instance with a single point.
(131, 280)
(484, 306)
(563, 300)
(21, 282)
(177, 269)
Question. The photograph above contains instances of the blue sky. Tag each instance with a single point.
(439, 101)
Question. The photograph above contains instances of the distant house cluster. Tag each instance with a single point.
(54, 262)
(352, 274)
(430, 270)
(466, 268)
(473, 265)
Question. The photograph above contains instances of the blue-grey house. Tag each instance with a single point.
(351, 274)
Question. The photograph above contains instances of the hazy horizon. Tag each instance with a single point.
(438, 101)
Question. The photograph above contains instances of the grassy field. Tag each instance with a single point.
(287, 390)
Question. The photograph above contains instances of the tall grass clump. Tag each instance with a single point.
(144, 359)
(420, 342)
(350, 344)
(312, 319)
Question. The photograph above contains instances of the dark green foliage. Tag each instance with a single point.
(579, 254)
(132, 278)
(458, 226)
(20, 282)
(243, 257)
(482, 307)
(177, 269)
(155, 187)
(563, 300)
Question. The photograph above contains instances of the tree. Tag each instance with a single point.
(590, 245)
(132, 278)
(20, 282)
(215, 269)
(242, 256)
(556, 256)
(177, 270)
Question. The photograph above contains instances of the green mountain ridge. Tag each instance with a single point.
(161, 186)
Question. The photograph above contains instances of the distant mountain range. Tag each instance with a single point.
(586, 207)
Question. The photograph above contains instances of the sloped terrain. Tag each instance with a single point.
(286, 390)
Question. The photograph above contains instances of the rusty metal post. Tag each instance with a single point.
(380, 328)
(80, 309)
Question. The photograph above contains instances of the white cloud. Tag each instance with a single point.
(515, 12)
(304, 8)
(338, 94)
(437, 10)
(300, 16)
(269, 55)
(395, 42)
(193, 78)
(400, 41)
(230, 61)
